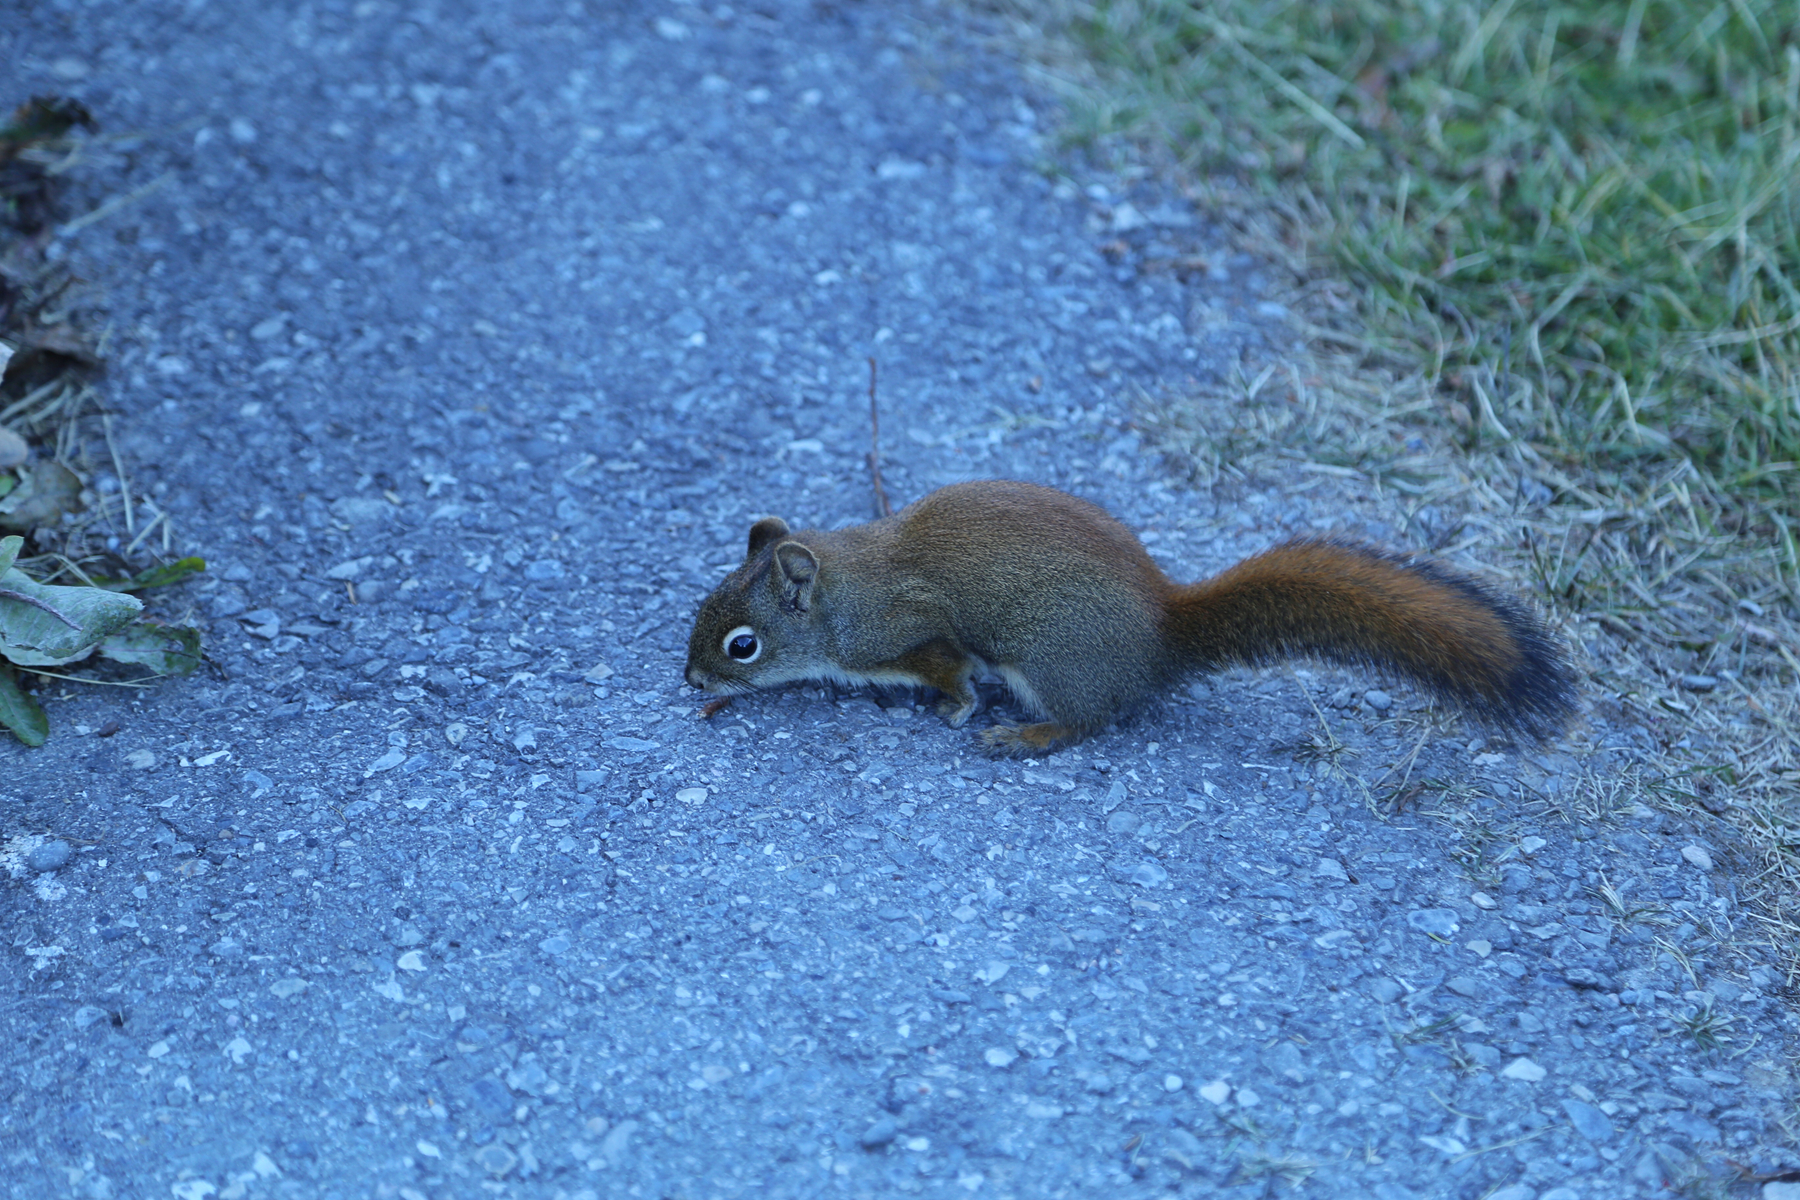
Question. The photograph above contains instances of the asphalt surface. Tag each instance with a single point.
(466, 341)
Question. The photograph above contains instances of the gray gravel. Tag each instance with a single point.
(465, 341)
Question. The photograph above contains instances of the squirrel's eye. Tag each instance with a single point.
(742, 645)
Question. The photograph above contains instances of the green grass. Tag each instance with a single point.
(1582, 217)
(1545, 259)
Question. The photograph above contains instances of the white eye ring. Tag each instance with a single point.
(755, 645)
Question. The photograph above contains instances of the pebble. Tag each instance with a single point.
(1523, 1069)
(1699, 683)
(1000, 1056)
(1216, 1092)
(1149, 875)
(1330, 868)
(1513, 1191)
(1123, 821)
(1698, 856)
(13, 449)
(1378, 700)
(879, 1134)
(1589, 1121)
(1438, 922)
(49, 856)
(1780, 1190)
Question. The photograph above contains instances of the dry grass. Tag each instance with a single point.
(1544, 266)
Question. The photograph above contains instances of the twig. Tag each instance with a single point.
(875, 444)
(114, 205)
(119, 468)
(96, 682)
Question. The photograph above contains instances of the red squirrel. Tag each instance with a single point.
(1063, 603)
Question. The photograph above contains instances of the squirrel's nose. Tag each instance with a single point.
(696, 678)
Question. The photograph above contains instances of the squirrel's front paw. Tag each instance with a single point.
(955, 712)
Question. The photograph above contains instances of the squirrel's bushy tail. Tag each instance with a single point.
(1468, 644)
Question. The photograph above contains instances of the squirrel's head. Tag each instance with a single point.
(757, 628)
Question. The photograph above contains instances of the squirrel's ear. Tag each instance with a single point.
(799, 574)
(764, 532)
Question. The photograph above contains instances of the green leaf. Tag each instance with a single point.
(165, 649)
(155, 577)
(19, 712)
(9, 550)
(42, 624)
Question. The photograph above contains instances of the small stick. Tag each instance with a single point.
(713, 708)
(119, 466)
(875, 444)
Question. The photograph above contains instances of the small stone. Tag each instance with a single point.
(496, 1160)
(1247, 1098)
(554, 945)
(1437, 922)
(598, 673)
(1330, 868)
(1385, 990)
(412, 960)
(1780, 1190)
(1462, 985)
(1698, 856)
(1172, 1082)
(1483, 900)
(287, 989)
(1481, 948)
(1513, 1191)
(879, 1134)
(49, 856)
(1378, 700)
(1523, 1069)
(1149, 875)
(141, 760)
(525, 739)
(692, 795)
(1000, 1056)
(1589, 1121)
(1699, 683)
(13, 449)
(1217, 1092)
(387, 762)
(1123, 821)
(1126, 218)
(1531, 845)
(993, 973)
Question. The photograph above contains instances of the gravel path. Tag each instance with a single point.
(465, 341)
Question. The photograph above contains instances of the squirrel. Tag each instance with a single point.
(1063, 603)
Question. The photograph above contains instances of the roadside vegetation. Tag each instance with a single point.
(66, 599)
(1545, 260)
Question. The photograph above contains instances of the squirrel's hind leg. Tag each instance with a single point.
(1006, 740)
